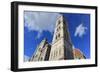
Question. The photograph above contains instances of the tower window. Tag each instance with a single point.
(56, 37)
(59, 22)
(59, 28)
(59, 35)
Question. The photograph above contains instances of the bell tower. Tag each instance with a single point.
(61, 48)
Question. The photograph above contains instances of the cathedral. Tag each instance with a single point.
(61, 47)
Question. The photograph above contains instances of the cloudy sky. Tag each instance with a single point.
(40, 25)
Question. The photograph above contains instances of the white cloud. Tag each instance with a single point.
(80, 30)
(26, 58)
(40, 21)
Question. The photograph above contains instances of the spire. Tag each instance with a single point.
(61, 47)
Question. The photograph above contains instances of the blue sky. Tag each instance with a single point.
(40, 25)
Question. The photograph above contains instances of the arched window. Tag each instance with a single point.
(56, 37)
(59, 28)
(59, 35)
(59, 22)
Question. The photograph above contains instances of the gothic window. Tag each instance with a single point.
(56, 37)
(59, 35)
(59, 27)
(59, 22)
